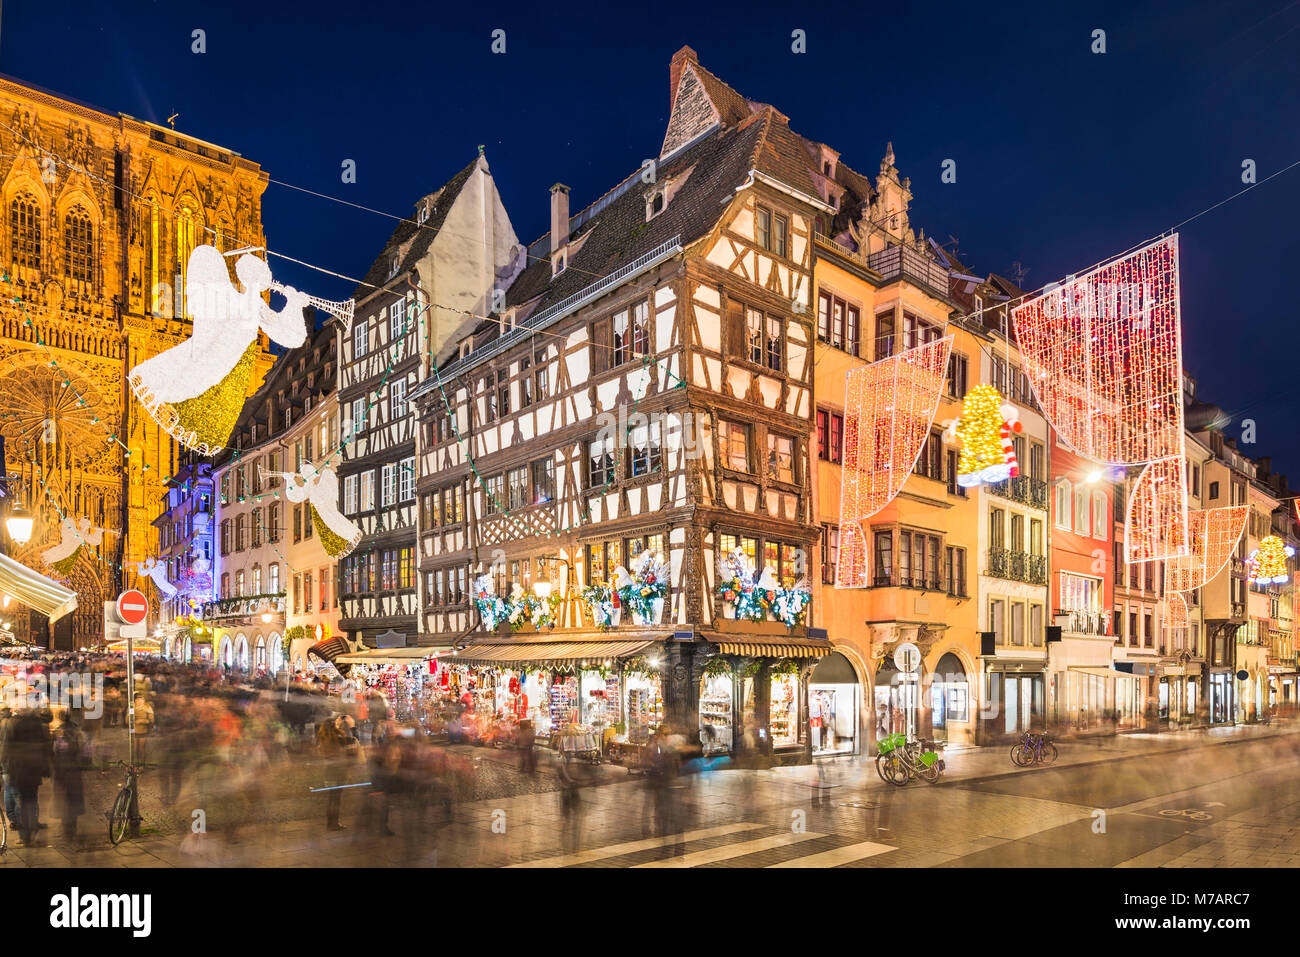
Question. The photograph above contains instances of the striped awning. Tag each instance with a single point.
(35, 590)
(394, 656)
(753, 649)
(543, 652)
(330, 648)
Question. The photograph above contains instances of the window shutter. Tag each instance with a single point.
(735, 331)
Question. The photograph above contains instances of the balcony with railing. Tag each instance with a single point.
(1017, 566)
(1023, 489)
(902, 262)
(1083, 622)
(924, 583)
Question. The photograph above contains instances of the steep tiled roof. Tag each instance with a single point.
(419, 235)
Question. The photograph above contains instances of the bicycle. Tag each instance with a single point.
(119, 818)
(4, 831)
(898, 761)
(1034, 748)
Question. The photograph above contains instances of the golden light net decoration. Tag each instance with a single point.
(1267, 564)
(1213, 537)
(1103, 352)
(889, 408)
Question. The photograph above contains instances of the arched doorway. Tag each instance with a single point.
(274, 653)
(834, 697)
(949, 696)
(259, 655)
(167, 648)
(226, 652)
(241, 652)
(188, 653)
(897, 703)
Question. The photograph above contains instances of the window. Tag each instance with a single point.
(1064, 490)
(830, 553)
(324, 579)
(830, 436)
(306, 592)
(645, 455)
(406, 567)
(997, 528)
(239, 533)
(78, 246)
(780, 226)
(543, 381)
(957, 371)
(997, 620)
(953, 461)
(543, 481)
(503, 393)
(397, 400)
(397, 313)
(1036, 462)
(255, 527)
(297, 523)
(1081, 525)
(1214, 490)
(406, 480)
(367, 491)
(918, 331)
(600, 462)
(1117, 559)
(273, 577)
(239, 584)
(954, 571)
(1035, 537)
(225, 536)
(763, 227)
(733, 438)
(1036, 625)
(360, 414)
(387, 485)
(1017, 622)
(780, 458)
(25, 231)
(350, 495)
(273, 522)
(525, 383)
(360, 340)
(454, 505)
(838, 323)
(775, 344)
(930, 462)
(494, 490)
(1099, 512)
(517, 487)
(225, 585)
(1017, 542)
(884, 335)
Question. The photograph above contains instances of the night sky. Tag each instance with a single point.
(1064, 157)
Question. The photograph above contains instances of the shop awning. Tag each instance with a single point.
(776, 648)
(35, 590)
(1100, 672)
(544, 652)
(330, 649)
(394, 656)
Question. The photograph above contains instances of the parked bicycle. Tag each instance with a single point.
(1034, 748)
(899, 761)
(119, 818)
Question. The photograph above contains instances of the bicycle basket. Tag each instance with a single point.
(928, 759)
(894, 741)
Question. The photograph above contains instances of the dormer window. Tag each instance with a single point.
(655, 203)
(424, 212)
(559, 260)
(392, 267)
(466, 347)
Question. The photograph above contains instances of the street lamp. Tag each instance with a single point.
(543, 589)
(19, 525)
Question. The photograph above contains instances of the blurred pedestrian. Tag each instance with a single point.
(572, 776)
(144, 724)
(10, 792)
(67, 772)
(27, 755)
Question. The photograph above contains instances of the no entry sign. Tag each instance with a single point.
(132, 607)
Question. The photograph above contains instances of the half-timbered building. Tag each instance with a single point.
(438, 267)
(645, 391)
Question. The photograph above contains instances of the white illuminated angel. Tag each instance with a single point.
(196, 390)
(74, 535)
(337, 532)
(156, 571)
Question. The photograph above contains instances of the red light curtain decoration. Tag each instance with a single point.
(1175, 620)
(1213, 537)
(1103, 352)
(889, 408)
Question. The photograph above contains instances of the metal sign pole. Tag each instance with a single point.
(130, 729)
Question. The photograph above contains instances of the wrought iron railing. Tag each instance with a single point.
(1017, 566)
(1023, 489)
(1079, 622)
(902, 262)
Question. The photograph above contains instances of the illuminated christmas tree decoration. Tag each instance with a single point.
(1267, 564)
(1156, 524)
(888, 411)
(984, 434)
(1213, 537)
(1104, 357)
(196, 390)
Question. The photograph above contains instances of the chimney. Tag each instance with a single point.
(559, 217)
(680, 59)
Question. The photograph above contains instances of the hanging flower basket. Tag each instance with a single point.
(642, 589)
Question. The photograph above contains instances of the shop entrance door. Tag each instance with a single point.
(1220, 698)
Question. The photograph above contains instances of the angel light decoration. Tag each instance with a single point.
(195, 390)
(338, 533)
(75, 534)
(156, 572)
(984, 434)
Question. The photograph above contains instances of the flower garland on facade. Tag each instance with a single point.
(603, 603)
(492, 608)
(525, 608)
(643, 589)
(752, 600)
